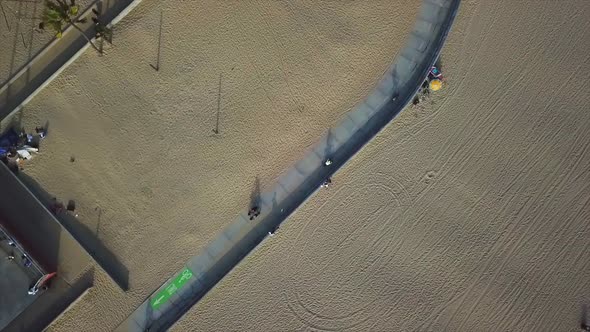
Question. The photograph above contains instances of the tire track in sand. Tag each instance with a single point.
(360, 260)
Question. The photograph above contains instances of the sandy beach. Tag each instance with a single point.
(150, 176)
(19, 40)
(468, 213)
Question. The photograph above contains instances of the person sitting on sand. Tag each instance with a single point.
(41, 132)
(56, 207)
(254, 212)
(326, 183)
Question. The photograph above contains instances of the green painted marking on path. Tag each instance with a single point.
(174, 285)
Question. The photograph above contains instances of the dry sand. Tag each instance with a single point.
(468, 214)
(19, 42)
(149, 174)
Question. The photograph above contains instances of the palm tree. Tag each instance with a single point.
(58, 14)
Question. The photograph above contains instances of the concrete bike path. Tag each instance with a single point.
(56, 56)
(400, 83)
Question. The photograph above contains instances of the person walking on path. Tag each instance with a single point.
(26, 261)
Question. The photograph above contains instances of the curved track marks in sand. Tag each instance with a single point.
(488, 227)
(289, 70)
(359, 244)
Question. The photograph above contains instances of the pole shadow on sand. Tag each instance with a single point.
(216, 129)
(157, 66)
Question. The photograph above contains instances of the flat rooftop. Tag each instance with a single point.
(15, 281)
(37, 234)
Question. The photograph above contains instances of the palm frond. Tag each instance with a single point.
(73, 10)
(59, 13)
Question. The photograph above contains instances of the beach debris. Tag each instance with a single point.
(24, 154)
(433, 82)
(15, 148)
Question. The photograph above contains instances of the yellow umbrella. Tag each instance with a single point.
(435, 84)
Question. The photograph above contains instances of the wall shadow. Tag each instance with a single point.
(51, 304)
(28, 223)
(84, 235)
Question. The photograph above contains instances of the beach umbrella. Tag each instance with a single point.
(435, 85)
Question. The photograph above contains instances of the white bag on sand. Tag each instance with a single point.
(24, 154)
(31, 149)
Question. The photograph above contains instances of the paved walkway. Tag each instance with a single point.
(175, 297)
(56, 56)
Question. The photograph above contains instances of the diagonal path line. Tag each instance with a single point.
(400, 83)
